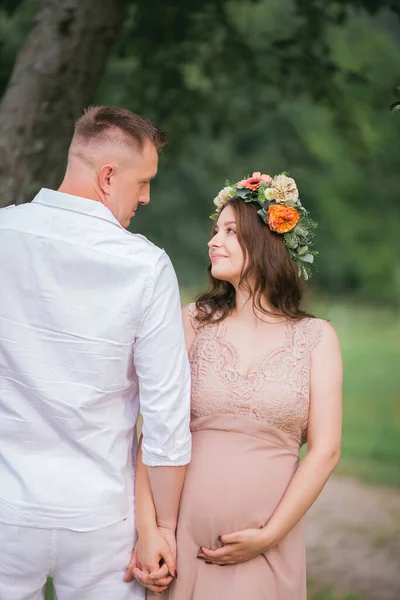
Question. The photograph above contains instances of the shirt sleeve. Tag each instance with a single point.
(162, 368)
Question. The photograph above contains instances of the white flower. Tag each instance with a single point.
(224, 195)
(282, 189)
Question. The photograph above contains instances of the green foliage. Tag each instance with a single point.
(345, 162)
(271, 85)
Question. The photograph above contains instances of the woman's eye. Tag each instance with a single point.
(230, 230)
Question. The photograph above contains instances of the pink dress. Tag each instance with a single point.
(247, 432)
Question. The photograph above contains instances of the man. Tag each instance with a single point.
(89, 322)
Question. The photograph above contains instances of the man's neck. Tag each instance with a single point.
(68, 187)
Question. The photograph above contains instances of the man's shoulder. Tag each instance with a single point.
(133, 248)
(141, 240)
(12, 215)
(143, 247)
(11, 209)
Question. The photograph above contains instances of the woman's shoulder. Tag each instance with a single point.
(189, 312)
(188, 322)
(195, 314)
(200, 319)
(192, 325)
(311, 331)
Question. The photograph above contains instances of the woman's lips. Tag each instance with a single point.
(217, 257)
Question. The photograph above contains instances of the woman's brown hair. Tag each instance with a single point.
(267, 262)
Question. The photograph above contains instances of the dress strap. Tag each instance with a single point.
(209, 331)
(307, 335)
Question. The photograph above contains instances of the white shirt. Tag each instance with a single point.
(89, 321)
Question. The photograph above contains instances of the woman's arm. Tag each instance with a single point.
(146, 519)
(154, 543)
(324, 440)
(154, 529)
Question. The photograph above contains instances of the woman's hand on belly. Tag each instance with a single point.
(238, 547)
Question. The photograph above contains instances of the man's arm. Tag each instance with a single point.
(162, 367)
(155, 542)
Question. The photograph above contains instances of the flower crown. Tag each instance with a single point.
(280, 209)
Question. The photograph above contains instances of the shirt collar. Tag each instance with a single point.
(78, 204)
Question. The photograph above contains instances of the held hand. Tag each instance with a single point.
(169, 536)
(238, 547)
(154, 548)
(155, 585)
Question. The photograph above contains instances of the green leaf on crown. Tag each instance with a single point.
(263, 214)
(300, 231)
(308, 258)
(303, 251)
(261, 194)
(291, 240)
(291, 203)
(243, 193)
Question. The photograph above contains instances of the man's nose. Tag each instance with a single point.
(144, 199)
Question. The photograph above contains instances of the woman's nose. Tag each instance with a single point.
(214, 241)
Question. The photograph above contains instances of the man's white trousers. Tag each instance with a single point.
(84, 565)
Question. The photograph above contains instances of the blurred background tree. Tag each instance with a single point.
(244, 85)
(270, 85)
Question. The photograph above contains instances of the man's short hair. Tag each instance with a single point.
(99, 120)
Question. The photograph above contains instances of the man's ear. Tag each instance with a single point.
(105, 177)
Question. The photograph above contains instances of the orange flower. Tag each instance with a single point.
(282, 218)
(253, 182)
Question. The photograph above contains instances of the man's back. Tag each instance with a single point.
(90, 319)
(75, 289)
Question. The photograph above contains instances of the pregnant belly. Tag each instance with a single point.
(234, 481)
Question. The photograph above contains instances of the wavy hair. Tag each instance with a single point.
(267, 263)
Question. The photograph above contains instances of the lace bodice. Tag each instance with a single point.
(277, 393)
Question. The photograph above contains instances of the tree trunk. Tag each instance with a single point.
(55, 76)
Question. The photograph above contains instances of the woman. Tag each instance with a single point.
(266, 377)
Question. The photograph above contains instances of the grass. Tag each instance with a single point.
(370, 341)
(329, 595)
(49, 590)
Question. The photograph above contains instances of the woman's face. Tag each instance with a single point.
(226, 255)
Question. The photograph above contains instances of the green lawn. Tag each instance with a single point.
(49, 590)
(370, 340)
(328, 595)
